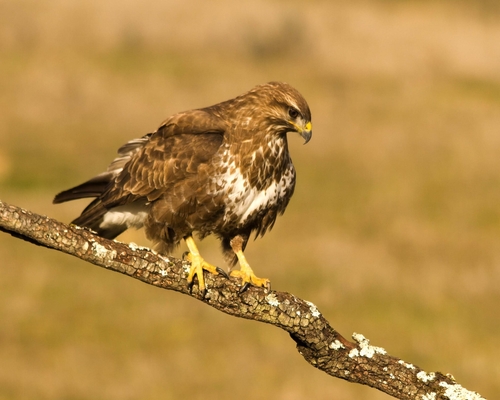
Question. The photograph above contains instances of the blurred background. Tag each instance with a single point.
(393, 231)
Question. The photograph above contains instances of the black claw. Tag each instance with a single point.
(244, 288)
(202, 292)
(184, 255)
(190, 286)
(268, 286)
(222, 272)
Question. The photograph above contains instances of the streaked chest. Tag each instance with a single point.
(253, 184)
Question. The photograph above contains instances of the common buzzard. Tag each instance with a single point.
(222, 170)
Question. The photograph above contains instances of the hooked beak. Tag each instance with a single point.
(306, 132)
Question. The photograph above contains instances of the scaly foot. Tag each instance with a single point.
(198, 264)
(248, 278)
(245, 273)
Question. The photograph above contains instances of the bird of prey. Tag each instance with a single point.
(223, 170)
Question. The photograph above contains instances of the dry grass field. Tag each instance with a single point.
(394, 230)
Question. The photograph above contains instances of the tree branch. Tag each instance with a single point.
(320, 344)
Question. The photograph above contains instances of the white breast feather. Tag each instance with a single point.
(244, 200)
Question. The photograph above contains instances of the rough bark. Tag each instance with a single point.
(320, 344)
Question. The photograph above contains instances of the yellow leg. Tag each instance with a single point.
(245, 272)
(198, 264)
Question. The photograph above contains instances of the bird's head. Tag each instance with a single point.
(300, 123)
(286, 108)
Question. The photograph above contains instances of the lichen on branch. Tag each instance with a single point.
(316, 340)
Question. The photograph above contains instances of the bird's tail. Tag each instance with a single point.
(92, 188)
(92, 216)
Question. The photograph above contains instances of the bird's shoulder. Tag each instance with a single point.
(193, 122)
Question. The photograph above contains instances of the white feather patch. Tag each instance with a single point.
(244, 200)
(130, 215)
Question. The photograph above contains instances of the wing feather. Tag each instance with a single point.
(146, 168)
(172, 154)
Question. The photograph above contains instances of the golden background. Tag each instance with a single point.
(393, 231)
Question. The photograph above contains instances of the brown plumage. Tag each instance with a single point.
(222, 170)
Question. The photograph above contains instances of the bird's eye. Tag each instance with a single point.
(293, 113)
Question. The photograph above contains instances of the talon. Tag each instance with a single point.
(245, 286)
(190, 286)
(222, 272)
(248, 278)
